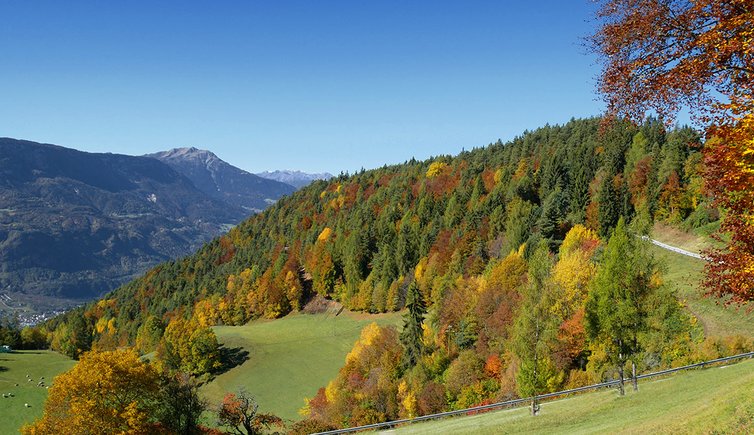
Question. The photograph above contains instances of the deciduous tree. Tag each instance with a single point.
(240, 413)
(665, 54)
(106, 392)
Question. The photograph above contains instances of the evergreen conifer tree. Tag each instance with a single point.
(615, 307)
(411, 336)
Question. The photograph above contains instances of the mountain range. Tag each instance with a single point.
(74, 225)
(223, 181)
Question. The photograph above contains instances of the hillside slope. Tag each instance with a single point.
(358, 239)
(460, 235)
(74, 225)
(223, 181)
(713, 400)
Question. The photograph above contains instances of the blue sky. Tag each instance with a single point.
(311, 85)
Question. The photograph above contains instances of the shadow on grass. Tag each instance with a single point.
(231, 357)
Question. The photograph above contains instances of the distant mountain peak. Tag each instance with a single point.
(187, 154)
(222, 180)
(296, 179)
(99, 219)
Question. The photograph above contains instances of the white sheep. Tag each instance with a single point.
(27, 405)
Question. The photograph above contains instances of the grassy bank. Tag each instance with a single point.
(289, 358)
(684, 274)
(713, 400)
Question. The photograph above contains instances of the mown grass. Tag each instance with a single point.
(694, 241)
(13, 370)
(713, 400)
(289, 358)
(684, 274)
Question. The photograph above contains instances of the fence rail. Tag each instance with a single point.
(515, 402)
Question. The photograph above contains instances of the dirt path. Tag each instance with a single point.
(676, 250)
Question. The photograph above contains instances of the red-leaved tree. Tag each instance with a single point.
(662, 55)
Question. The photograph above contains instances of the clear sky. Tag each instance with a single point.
(313, 85)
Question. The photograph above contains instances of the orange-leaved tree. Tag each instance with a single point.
(663, 55)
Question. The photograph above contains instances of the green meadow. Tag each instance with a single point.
(289, 358)
(14, 367)
(684, 274)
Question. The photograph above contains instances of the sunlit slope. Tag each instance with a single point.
(714, 400)
(684, 274)
(290, 358)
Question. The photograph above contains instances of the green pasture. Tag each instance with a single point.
(289, 358)
(14, 368)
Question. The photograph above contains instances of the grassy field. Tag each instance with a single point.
(684, 274)
(289, 358)
(13, 370)
(714, 400)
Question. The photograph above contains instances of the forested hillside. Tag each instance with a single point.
(473, 245)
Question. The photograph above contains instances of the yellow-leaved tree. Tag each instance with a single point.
(106, 392)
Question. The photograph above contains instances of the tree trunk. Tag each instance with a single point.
(621, 388)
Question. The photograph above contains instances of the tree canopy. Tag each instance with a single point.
(665, 55)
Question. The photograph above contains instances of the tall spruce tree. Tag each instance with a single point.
(615, 308)
(610, 205)
(411, 335)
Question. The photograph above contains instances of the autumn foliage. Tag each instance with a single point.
(107, 392)
(664, 55)
(240, 413)
(459, 236)
(730, 175)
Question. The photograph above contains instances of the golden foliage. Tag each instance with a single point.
(325, 235)
(106, 392)
(435, 169)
